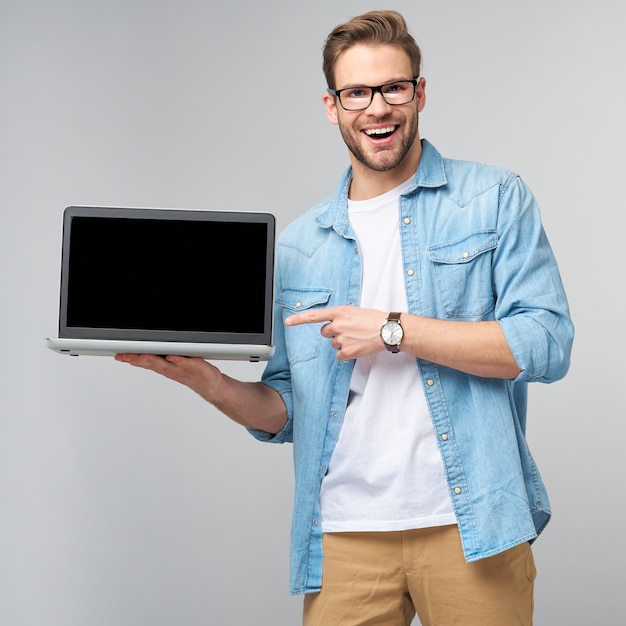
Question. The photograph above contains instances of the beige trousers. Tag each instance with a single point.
(384, 578)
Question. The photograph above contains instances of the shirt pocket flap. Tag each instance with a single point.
(301, 299)
(464, 250)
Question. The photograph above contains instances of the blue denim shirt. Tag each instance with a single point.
(473, 249)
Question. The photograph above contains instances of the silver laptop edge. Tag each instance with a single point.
(110, 347)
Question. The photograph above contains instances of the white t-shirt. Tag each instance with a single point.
(386, 471)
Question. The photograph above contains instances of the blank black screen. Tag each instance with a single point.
(167, 274)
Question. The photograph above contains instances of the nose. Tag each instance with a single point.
(378, 105)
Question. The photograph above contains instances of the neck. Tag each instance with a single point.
(368, 183)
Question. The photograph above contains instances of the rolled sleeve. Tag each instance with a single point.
(286, 434)
(542, 354)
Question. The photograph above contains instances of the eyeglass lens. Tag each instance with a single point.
(401, 92)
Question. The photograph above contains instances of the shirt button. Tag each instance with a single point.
(457, 490)
(322, 469)
(314, 522)
(430, 382)
(334, 415)
(444, 437)
(407, 220)
(298, 305)
(466, 255)
(410, 272)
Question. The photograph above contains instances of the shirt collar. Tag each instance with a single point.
(430, 173)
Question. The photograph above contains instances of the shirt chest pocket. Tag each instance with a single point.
(462, 269)
(302, 342)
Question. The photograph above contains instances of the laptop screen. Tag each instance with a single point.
(167, 275)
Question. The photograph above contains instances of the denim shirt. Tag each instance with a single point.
(473, 249)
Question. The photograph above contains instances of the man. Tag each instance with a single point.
(412, 309)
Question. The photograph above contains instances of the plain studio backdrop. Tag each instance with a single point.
(127, 500)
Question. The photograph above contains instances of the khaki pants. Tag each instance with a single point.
(384, 578)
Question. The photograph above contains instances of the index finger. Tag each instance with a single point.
(311, 317)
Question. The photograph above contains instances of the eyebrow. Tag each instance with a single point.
(391, 80)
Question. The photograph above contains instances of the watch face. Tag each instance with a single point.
(391, 332)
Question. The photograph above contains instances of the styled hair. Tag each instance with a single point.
(375, 28)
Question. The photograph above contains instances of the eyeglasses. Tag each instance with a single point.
(359, 98)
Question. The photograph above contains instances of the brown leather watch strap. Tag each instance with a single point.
(392, 317)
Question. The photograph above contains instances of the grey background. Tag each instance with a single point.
(124, 498)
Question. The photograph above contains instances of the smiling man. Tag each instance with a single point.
(412, 308)
(383, 136)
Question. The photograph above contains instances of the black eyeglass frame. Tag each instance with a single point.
(375, 90)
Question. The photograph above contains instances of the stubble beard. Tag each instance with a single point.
(381, 160)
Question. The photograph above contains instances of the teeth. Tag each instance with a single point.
(379, 131)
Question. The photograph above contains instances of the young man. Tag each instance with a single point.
(412, 309)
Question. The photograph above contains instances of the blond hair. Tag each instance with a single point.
(373, 29)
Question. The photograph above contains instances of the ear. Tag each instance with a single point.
(330, 105)
(420, 94)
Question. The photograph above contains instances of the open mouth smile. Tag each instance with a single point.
(380, 133)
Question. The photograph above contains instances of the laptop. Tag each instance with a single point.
(167, 282)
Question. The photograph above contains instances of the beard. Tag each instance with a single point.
(381, 159)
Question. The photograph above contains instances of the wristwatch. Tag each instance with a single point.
(391, 332)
